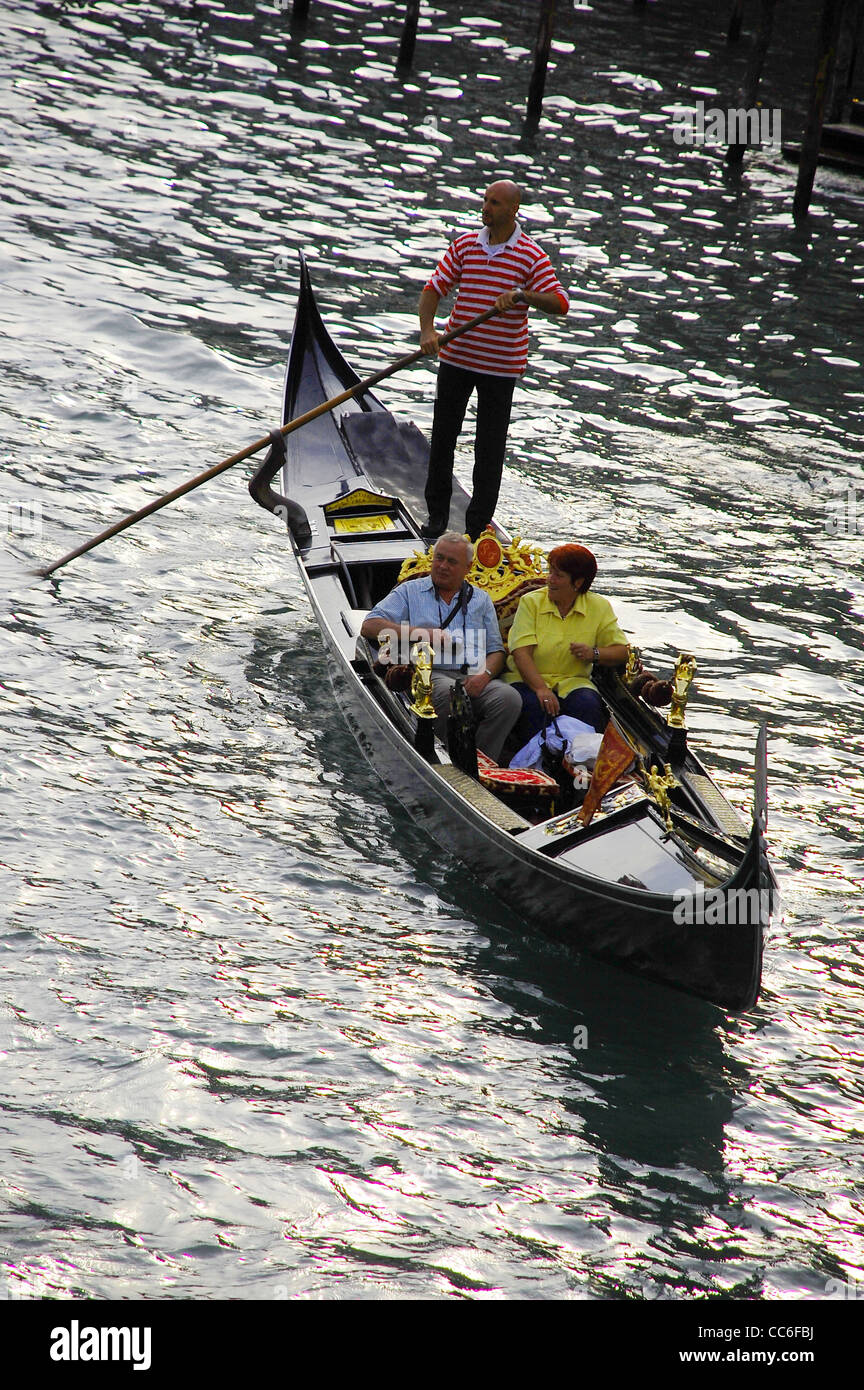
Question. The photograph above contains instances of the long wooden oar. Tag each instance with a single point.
(260, 444)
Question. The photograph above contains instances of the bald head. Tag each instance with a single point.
(508, 190)
(500, 205)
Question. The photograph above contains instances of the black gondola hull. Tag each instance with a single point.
(721, 964)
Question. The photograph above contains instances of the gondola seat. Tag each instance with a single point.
(353, 619)
(505, 608)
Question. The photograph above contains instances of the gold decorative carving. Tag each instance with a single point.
(360, 497)
(519, 563)
(421, 681)
(659, 785)
(685, 670)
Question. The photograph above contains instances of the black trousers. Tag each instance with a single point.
(582, 703)
(494, 399)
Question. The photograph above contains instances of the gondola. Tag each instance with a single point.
(648, 883)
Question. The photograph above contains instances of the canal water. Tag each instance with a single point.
(259, 1039)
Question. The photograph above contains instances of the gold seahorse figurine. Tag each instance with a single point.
(634, 664)
(685, 670)
(421, 681)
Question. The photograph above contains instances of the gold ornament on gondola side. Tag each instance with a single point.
(658, 785)
(497, 568)
(634, 664)
(421, 681)
(685, 670)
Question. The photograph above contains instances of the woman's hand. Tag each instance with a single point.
(548, 701)
(582, 651)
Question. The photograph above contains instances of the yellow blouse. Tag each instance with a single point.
(538, 624)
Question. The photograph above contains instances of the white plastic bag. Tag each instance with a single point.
(559, 734)
(583, 748)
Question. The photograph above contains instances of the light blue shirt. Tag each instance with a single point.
(417, 603)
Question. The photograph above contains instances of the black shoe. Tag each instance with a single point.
(430, 532)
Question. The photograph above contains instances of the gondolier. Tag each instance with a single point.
(499, 265)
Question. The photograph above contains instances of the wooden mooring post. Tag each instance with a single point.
(733, 33)
(541, 57)
(849, 44)
(299, 12)
(826, 54)
(409, 35)
(755, 64)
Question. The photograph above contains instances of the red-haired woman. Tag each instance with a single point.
(557, 635)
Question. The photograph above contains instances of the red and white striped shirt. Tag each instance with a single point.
(482, 272)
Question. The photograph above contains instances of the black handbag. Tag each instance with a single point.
(552, 763)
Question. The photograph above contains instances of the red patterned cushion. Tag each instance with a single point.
(516, 779)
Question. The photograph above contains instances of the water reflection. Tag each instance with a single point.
(232, 1031)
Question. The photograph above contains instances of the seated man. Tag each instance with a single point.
(459, 623)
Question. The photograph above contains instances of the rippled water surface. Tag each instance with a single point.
(259, 1039)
